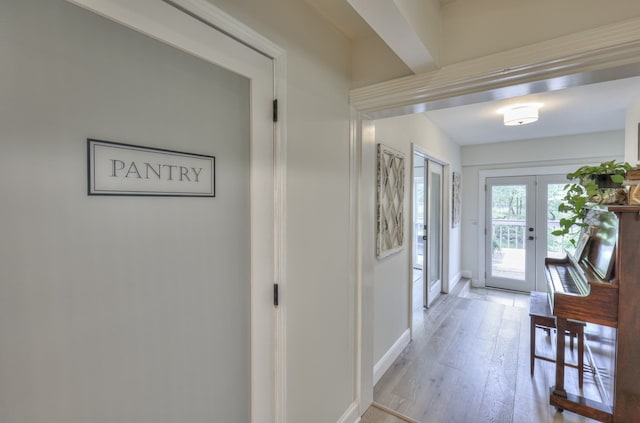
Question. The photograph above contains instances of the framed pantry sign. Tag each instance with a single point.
(124, 169)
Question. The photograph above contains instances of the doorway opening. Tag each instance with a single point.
(427, 230)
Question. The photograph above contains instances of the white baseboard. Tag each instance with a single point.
(351, 415)
(390, 356)
(454, 281)
(476, 283)
(466, 274)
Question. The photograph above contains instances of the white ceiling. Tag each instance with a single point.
(588, 108)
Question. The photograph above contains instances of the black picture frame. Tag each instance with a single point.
(92, 176)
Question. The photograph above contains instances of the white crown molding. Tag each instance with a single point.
(606, 47)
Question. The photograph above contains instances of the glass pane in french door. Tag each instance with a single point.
(557, 246)
(508, 220)
(433, 254)
(435, 238)
(419, 220)
(550, 191)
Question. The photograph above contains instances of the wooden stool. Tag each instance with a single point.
(541, 317)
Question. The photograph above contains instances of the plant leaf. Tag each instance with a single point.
(617, 179)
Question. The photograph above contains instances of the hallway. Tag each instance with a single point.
(469, 362)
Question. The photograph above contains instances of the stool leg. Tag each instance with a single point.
(571, 340)
(580, 358)
(532, 345)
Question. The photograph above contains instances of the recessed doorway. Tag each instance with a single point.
(427, 257)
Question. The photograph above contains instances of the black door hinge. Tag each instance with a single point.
(275, 110)
(275, 294)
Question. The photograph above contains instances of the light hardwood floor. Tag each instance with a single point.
(469, 362)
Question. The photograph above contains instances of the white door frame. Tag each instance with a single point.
(173, 25)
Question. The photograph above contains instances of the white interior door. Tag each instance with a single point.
(432, 269)
(133, 309)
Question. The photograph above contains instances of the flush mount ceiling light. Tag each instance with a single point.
(520, 114)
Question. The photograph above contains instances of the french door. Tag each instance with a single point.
(510, 233)
(521, 213)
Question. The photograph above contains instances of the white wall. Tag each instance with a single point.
(499, 25)
(632, 140)
(373, 61)
(567, 150)
(391, 274)
(319, 293)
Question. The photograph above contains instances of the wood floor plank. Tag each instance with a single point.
(443, 405)
(469, 362)
(499, 394)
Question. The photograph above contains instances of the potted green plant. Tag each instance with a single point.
(594, 184)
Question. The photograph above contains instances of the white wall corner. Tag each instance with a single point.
(390, 356)
(466, 274)
(351, 415)
(454, 281)
(477, 283)
(631, 142)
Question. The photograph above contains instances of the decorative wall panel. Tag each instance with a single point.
(456, 207)
(390, 201)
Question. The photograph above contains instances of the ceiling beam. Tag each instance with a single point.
(411, 29)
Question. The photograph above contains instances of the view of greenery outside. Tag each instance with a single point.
(508, 204)
(419, 198)
(508, 213)
(556, 244)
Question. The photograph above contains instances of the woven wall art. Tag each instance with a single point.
(390, 201)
